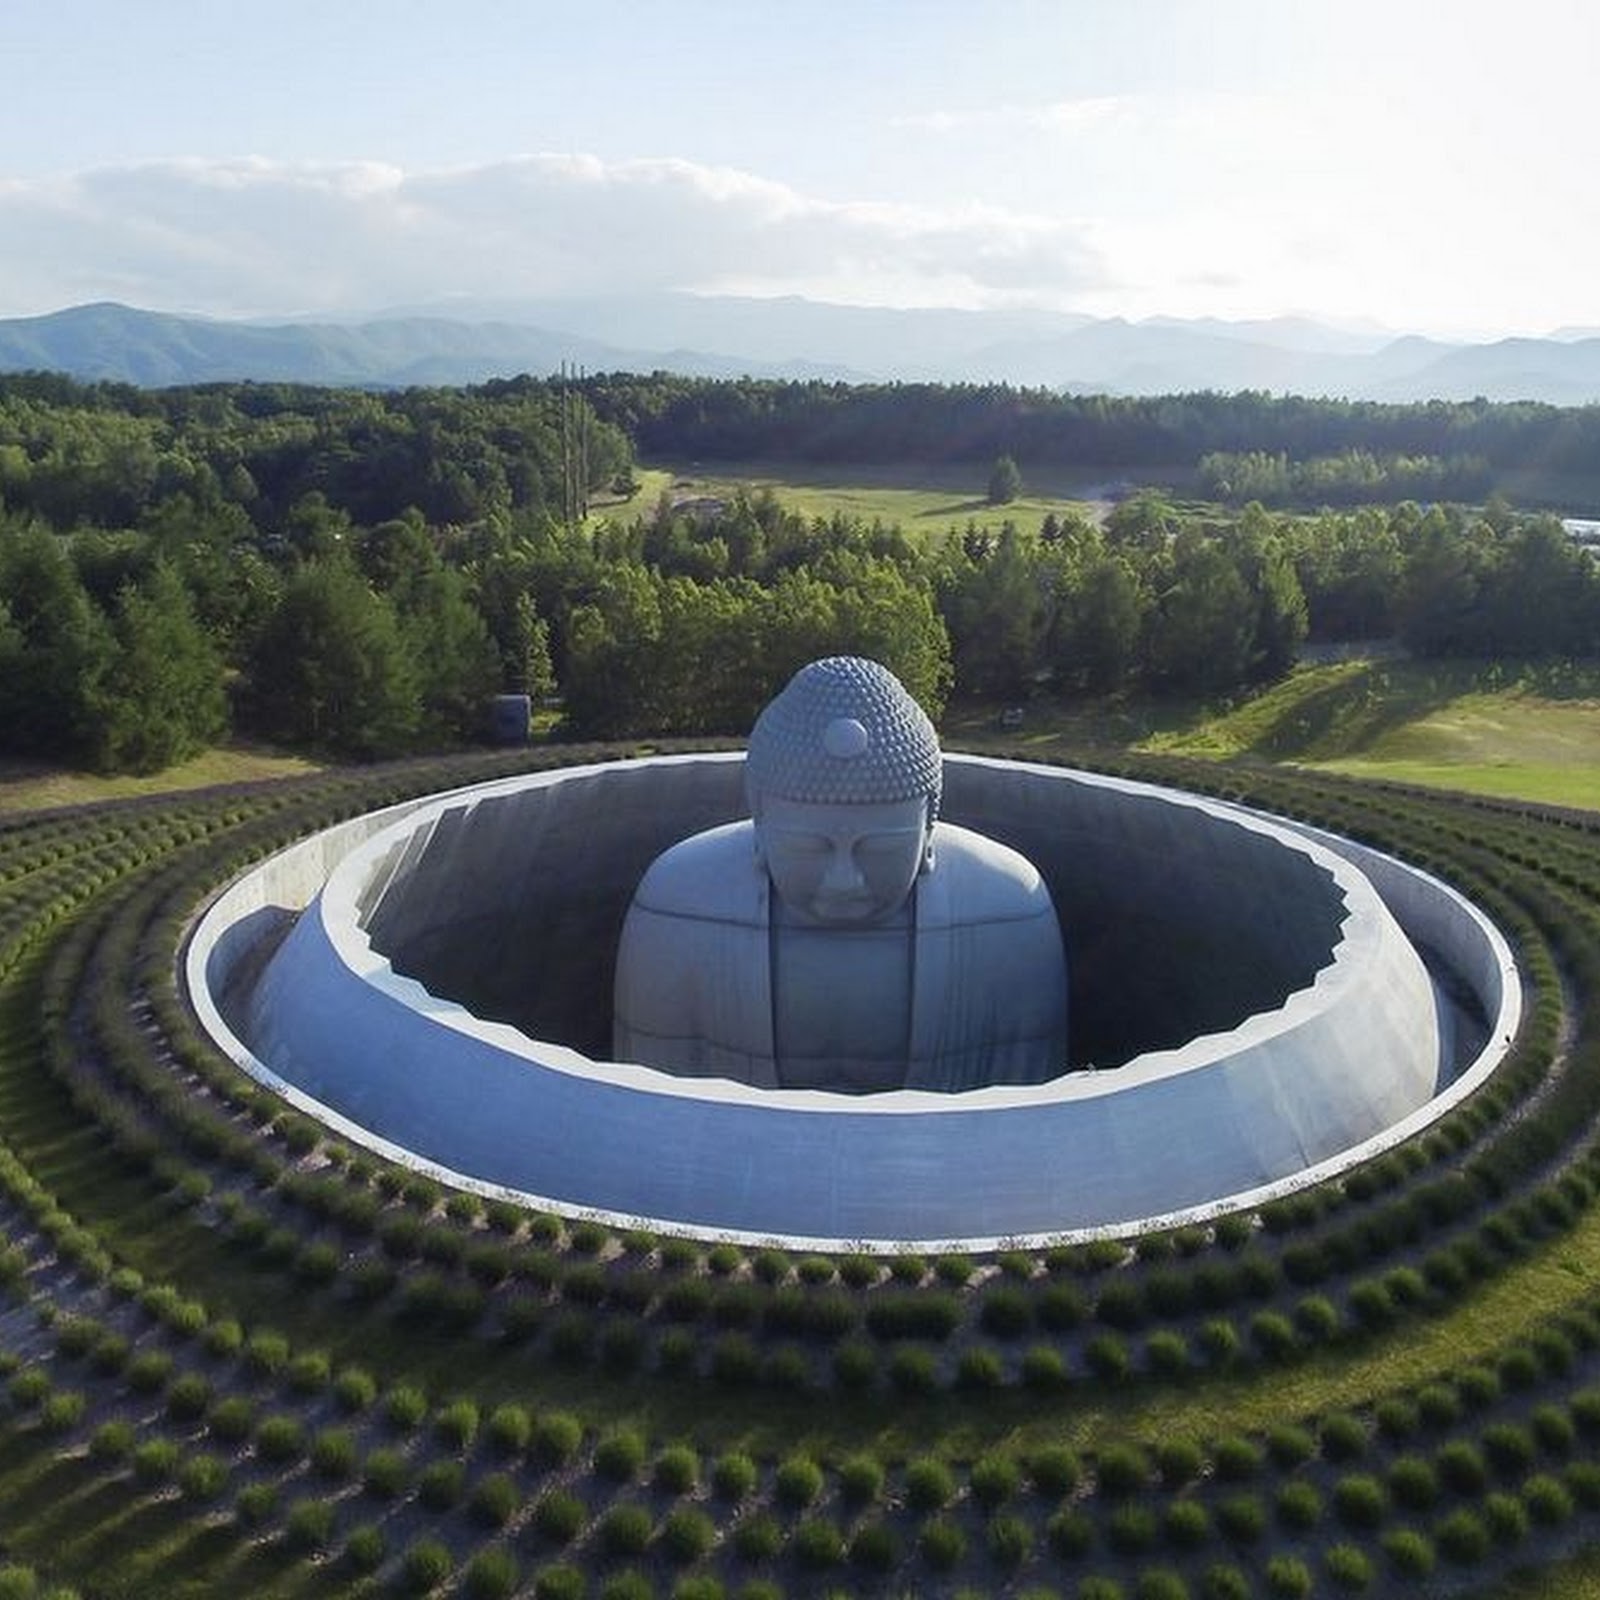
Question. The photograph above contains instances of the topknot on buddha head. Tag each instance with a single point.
(844, 731)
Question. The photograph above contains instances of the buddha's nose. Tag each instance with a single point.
(843, 875)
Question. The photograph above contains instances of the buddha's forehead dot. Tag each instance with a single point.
(844, 739)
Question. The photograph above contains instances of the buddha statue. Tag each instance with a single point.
(843, 938)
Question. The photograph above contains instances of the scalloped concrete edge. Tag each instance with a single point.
(1423, 906)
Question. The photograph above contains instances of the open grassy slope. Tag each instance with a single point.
(1518, 732)
(34, 786)
(1526, 732)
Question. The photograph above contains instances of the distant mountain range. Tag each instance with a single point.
(727, 336)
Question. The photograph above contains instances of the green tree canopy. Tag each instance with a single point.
(331, 667)
(1207, 620)
(55, 647)
(1005, 481)
(999, 608)
(455, 660)
(1097, 634)
(163, 698)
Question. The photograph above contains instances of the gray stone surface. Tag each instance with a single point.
(967, 988)
(842, 939)
(1175, 929)
(843, 729)
(1325, 1036)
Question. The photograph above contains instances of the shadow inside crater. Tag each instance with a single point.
(1176, 923)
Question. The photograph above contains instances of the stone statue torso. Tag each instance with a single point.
(965, 986)
(861, 1039)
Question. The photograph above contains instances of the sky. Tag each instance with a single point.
(1425, 167)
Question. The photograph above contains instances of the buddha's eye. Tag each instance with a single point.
(880, 846)
(806, 844)
(877, 850)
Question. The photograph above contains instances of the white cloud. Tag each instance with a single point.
(260, 237)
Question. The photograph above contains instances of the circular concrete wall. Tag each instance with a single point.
(1253, 1006)
(1177, 926)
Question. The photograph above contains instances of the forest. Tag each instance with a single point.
(357, 573)
(724, 420)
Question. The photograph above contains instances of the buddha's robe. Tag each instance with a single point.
(965, 987)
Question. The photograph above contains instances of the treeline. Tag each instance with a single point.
(104, 453)
(695, 612)
(359, 574)
(1168, 601)
(1353, 477)
(319, 566)
(108, 455)
(836, 422)
(132, 649)
(128, 649)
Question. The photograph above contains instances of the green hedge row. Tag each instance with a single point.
(1467, 1471)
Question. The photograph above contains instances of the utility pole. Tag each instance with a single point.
(574, 449)
(568, 498)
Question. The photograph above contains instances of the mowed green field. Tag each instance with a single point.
(920, 498)
(1526, 733)
(32, 786)
(1529, 733)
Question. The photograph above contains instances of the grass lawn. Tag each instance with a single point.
(1577, 786)
(1527, 733)
(922, 498)
(32, 786)
(1524, 732)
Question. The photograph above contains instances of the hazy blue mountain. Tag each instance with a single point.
(1288, 333)
(153, 349)
(784, 331)
(1145, 358)
(726, 336)
(1564, 372)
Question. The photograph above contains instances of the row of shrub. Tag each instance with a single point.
(1122, 1305)
(1464, 1503)
(303, 1385)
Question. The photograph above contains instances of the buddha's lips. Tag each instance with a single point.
(843, 908)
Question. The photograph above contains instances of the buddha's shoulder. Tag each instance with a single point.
(710, 874)
(984, 879)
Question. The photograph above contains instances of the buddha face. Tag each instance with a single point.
(841, 864)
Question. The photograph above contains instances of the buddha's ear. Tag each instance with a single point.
(927, 842)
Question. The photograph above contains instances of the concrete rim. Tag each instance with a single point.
(374, 837)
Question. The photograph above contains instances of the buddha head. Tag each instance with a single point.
(843, 777)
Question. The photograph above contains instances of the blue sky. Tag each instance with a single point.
(1425, 166)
